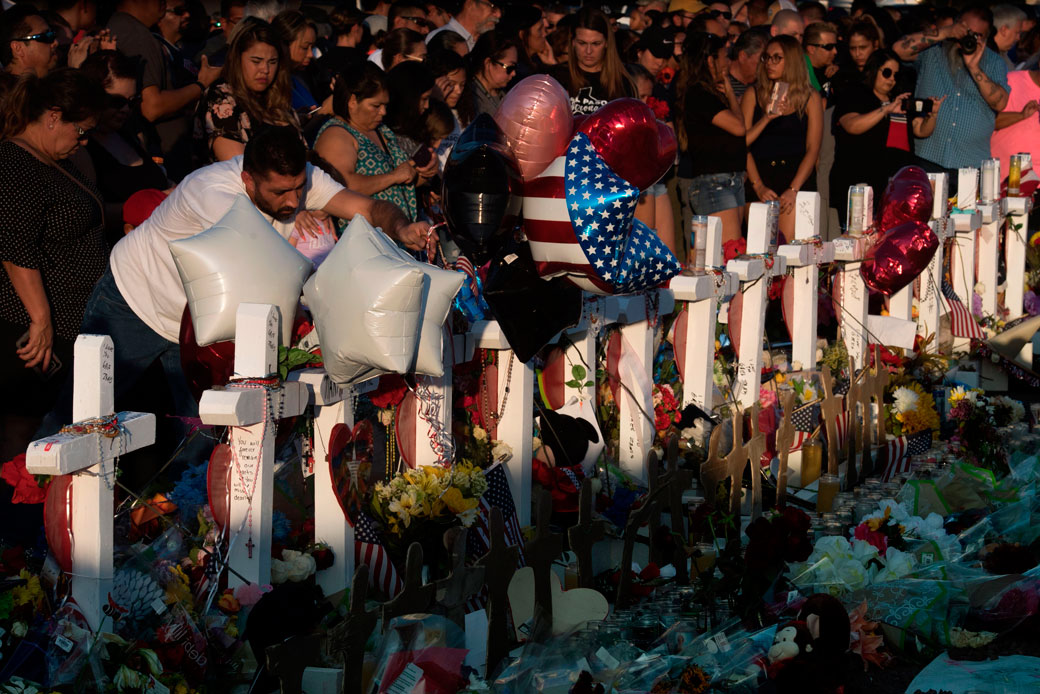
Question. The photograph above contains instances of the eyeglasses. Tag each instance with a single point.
(492, 5)
(45, 37)
(180, 10)
(510, 69)
(417, 21)
(81, 134)
(715, 14)
(825, 46)
(117, 101)
(887, 72)
(772, 58)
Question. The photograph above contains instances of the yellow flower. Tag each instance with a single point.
(406, 506)
(875, 523)
(31, 592)
(456, 503)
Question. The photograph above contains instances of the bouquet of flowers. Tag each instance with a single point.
(805, 391)
(975, 435)
(429, 493)
(911, 411)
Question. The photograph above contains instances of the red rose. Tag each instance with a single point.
(390, 392)
(731, 249)
(26, 491)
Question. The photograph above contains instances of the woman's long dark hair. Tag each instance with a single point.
(407, 83)
(695, 69)
(274, 104)
(874, 64)
(68, 90)
(361, 82)
(491, 45)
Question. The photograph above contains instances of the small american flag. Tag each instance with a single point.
(901, 448)
(578, 215)
(961, 322)
(497, 496)
(369, 550)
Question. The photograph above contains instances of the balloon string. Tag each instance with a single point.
(429, 410)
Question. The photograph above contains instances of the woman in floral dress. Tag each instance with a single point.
(254, 89)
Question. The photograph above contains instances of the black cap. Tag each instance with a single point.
(660, 42)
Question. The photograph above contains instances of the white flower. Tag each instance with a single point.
(19, 629)
(501, 451)
(906, 400)
(279, 571)
(479, 434)
(467, 517)
(127, 679)
(863, 551)
(809, 394)
(833, 547)
(884, 575)
(898, 562)
(852, 573)
(299, 565)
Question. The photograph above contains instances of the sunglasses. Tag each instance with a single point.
(417, 21)
(715, 14)
(117, 102)
(46, 37)
(772, 58)
(825, 46)
(887, 72)
(510, 69)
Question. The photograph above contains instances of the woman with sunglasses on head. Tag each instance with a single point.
(710, 127)
(254, 89)
(116, 161)
(401, 45)
(783, 135)
(52, 241)
(871, 137)
(492, 64)
(364, 150)
(594, 73)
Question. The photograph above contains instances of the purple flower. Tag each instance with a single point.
(976, 305)
(1031, 303)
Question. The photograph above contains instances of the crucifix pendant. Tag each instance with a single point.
(249, 547)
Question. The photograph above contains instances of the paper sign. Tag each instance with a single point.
(891, 331)
(63, 643)
(476, 640)
(407, 680)
(723, 642)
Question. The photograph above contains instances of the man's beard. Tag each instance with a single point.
(283, 214)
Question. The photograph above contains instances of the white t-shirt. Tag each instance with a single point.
(454, 25)
(141, 262)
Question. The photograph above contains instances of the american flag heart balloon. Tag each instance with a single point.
(579, 219)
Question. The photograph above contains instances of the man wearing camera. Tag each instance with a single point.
(974, 78)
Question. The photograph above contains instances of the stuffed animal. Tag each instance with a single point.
(794, 661)
(792, 640)
(558, 463)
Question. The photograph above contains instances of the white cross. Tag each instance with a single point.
(849, 249)
(702, 293)
(636, 372)
(91, 457)
(754, 278)
(804, 258)
(516, 426)
(1017, 210)
(252, 414)
(966, 224)
(930, 306)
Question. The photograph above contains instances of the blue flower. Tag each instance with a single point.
(191, 492)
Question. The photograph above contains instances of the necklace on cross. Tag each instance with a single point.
(266, 387)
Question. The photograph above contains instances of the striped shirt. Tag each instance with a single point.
(965, 121)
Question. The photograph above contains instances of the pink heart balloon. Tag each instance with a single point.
(900, 257)
(633, 143)
(535, 117)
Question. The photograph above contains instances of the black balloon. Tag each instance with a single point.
(529, 309)
(481, 194)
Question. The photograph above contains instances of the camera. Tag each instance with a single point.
(969, 43)
(921, 107)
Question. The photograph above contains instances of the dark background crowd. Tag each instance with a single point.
(106, 107)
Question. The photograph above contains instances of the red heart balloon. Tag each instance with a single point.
(404, 429)
(204, 367)
(903, 255)
(633, 143)
(57, 520)
(350, 461)
(907, 198)
(218, 484)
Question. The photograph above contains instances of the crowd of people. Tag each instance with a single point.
(127, 126)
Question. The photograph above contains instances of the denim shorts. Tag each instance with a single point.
(657, 190)
(712, 193)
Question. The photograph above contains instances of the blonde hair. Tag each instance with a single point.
(796, 74)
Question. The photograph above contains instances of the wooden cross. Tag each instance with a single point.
(516, 426)
(583, 536)
(830, 410)
(875, 386)
(784, 441)
(453, 591)
(679, 482)
(346, 641)
(754, 276)
(635, 409)
(805, 257)
(540, 552)
(702, 293)
(287, 660)
(637, 518)
(731, 467)
(499, 566)
(92, 457)
(332, 405)
(415, 596)
(252, 411)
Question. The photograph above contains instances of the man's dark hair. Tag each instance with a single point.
(61, 5)
(226, 5)
(751, 41)
(13, 23)
(275, 149)
(980, 11)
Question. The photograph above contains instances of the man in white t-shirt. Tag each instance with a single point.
(473, 19)
(139, 301)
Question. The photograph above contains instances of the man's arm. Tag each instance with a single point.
(345, 204)
(908, 47)
(995, 96)
(158, 103)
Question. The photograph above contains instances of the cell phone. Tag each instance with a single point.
(777, 97)
(53, 368)
(922, 107)
(421, 156)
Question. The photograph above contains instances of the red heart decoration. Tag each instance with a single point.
(899, 258)
(346, 446)
(487, 399)
(633, 143)
(204, 367)
(57, 520)
(787, 304)
(680, 330)
(736, 310)
(218, 485)
(907, 198)
(404, 429)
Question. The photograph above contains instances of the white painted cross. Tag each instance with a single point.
(1017, 210)
(930, 306)
(92, 457)
(252, 411)
(989, 253)
(962, 260)
(702, 293)
(516, 425)
(853, 302)
(754, 277)
(805, 257)
(636, 374)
